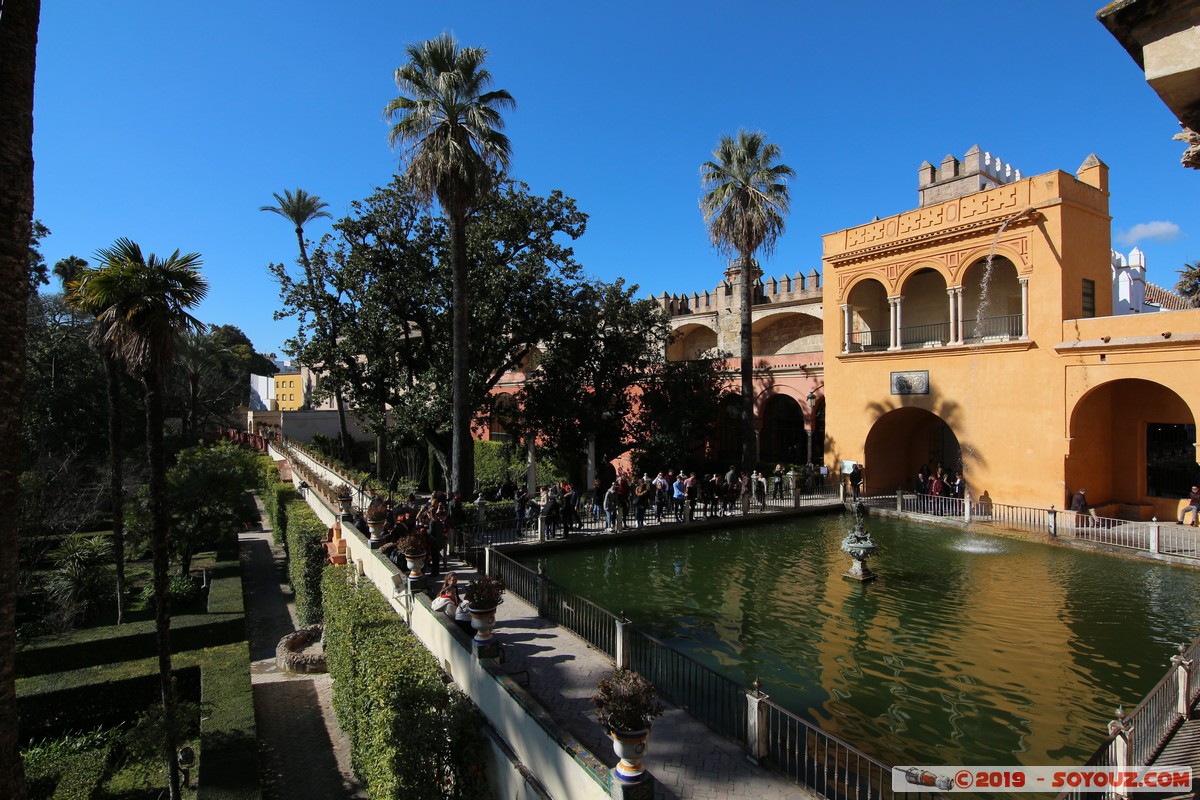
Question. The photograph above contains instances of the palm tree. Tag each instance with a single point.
(18, 43)
(746, 200)
(70, 270)
(449, 126)
(301, 208)
(1189, 282)
(143, 307)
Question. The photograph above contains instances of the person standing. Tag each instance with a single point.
(777, 487)
(856, 479)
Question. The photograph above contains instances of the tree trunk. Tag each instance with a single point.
(112, 376)
(462, 448)
(18, 44)
(747, 367)
(156, 457)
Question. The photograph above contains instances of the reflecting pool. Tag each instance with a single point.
(968, 649)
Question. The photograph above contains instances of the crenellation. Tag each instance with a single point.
(773, 290)
(978, 171)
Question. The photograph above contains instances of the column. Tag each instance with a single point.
(959, 303)
(893, 326)
(846, 328)
(899, 340)
(1024, 281)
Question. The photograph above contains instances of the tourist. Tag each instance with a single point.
(856, 479)
(448, 599)
(641, 498)
(660, 496)
(1192, 506)
(777, 485)
(1079, 505)
(679, 496)
(612, 506)
(597, 499)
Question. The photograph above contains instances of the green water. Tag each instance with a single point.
(968, 649)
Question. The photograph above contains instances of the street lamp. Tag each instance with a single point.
(812, 423)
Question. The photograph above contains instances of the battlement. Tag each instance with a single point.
(798, 288)
(977, 172)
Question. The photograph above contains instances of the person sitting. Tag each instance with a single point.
(1192, 506)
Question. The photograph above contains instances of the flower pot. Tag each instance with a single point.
(346, 503)
(376, 527)
(415, 563)
(483, 620)
(630, 747)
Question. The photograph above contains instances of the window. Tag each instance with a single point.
(1089, 298)
(291, 384)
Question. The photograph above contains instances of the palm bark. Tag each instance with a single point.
(157, 486)
(462, 447)
(112, 376)
(18, 44)
(749, 456)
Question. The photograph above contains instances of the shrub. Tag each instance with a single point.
(484, 592)
(306, 557)
(411, 735)
(626, 702)
(185, 592)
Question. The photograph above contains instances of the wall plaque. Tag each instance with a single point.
(910, 382)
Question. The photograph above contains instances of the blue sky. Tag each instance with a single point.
(171, 123)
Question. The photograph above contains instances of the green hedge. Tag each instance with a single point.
(411, 734)
(225, 623)
(306, 558)
(103, 696)
(275, 496)
(74, 778)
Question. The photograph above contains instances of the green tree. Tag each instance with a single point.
(449, 126)
(38, 274)
(144, 302)
(69, 269)
(1189, 282)
(745, 202)
(207, 488)
(581, 395)
(301, 208)
(18, 43)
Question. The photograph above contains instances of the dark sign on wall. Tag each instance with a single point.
(910, 382)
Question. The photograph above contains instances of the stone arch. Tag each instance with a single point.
(996, 311)
(901, 441)
(691, 341)
(500, 421)
(786, 333)
(870, 316)
(784, 435)
(925, 313)
(1146, 459)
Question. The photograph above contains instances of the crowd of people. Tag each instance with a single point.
(431, 521)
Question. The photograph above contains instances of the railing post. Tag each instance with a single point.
(899, 500)
(966, 498)
(1154, 532)
(756, 724)
(624, 640)
(1183, 675)
(541, 527)
(487, 560)
(1121, 746)
(543, 591)
(1053, 523)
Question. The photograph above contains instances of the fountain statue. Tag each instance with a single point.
(858, 546)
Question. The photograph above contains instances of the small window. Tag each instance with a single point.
(1089, 298)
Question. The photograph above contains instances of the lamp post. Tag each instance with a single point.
(812, 421)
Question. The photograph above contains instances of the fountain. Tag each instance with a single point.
(858, 546)
(985, 281)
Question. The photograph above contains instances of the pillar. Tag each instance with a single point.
(1024, 281)
(624, 642)
(893, 323)
(1183, 675)
(845, 327)
(756, 724)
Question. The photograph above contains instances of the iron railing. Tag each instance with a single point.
(930, 335)
(865, 341)
(1007, 327)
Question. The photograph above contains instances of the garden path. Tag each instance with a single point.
(303, 753)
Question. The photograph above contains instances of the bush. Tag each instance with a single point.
(184, 590)
(275, 496)
(411, 734)
(306, 557)
(69, 768)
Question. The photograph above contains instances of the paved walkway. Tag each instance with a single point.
(687, 759)
(304, 754)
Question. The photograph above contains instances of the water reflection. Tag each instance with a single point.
(967, 650)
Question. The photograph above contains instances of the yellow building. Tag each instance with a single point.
(977, 330)
(289, 391)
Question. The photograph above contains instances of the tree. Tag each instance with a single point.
(747, 198)
(582, 393)
(143, 303)
(1189, 282)
(37, 262)
(449, 125)
(207, 488)
(301, 208)
(68, 269)
(18, 43)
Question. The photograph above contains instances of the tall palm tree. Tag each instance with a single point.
(448, 125)
(143, 304)
(301, 208)
(70, 270)
(18, 43)
(745, 202)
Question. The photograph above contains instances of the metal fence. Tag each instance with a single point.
(933, 334)
(1007, 326)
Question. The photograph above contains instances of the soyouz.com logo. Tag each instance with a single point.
(1039, 779)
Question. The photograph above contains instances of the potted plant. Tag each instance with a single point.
(345, 498)
(413, 548)
(376, 516)
(482, 596)
(627, 705)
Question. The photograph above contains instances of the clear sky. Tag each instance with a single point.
(171, 123)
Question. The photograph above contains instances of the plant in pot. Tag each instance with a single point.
(482, 596)
(627, 705)
(413, 548)
(344, 497)
(376, 516)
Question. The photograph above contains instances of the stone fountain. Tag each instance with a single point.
(858, 546)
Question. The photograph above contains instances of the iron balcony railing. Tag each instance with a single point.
(1006, 327)
(929, 335)
(867, 341)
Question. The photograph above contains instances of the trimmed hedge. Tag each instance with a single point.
(276, 495)
(107, 695)
(74, 778)
(411, 734)
(306, 558)
(225, 623)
